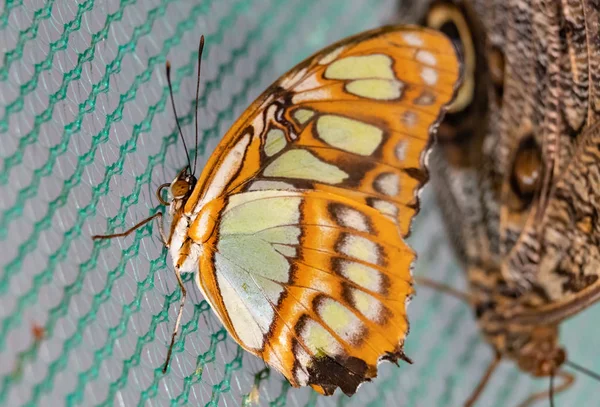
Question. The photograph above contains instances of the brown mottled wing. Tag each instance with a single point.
(562, 104)
(532, 117)
(569, 236)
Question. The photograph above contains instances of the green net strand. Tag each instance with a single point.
(88, 134)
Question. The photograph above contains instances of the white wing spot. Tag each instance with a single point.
(401, 150)
(304, 360)
(301, 376)
(311, 95)
(318, 340)
(362, 275)
(228, 168)
(385, 207)
(307, 84)
(426, 98)
(426, 57)
(409, 118)
(351, 218)
(331, 56)
(367, 305)
(360, 248)
(429, 76)
(293, 79)
(388, 184)
(412, 39)
(341, 320)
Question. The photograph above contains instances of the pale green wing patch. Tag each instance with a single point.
(256, 235)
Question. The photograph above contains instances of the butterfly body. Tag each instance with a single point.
(534, 348)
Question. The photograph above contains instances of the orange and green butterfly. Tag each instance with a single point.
(295, 228)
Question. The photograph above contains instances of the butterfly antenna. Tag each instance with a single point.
(187, 154)
(583, 370)
(200, 49)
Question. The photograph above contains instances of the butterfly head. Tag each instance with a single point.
(182, 185)
(542, 356)
(180, 190)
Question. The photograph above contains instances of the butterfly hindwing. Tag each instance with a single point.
(298, 219)
(312, 271)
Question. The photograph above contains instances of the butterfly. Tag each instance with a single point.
(295, 228)
(515, 172)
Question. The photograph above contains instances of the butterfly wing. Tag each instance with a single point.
(300, 213)
(568, 273)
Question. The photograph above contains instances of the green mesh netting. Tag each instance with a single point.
(86, 137)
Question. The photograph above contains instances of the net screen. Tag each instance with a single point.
(87, 135)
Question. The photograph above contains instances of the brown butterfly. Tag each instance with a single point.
(517, 172)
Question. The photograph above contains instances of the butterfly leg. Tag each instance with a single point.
(157, 215)
(178, 320)
(568, 380)
(484, 381)
(446, 289)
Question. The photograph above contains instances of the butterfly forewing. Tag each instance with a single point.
(298, 219)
